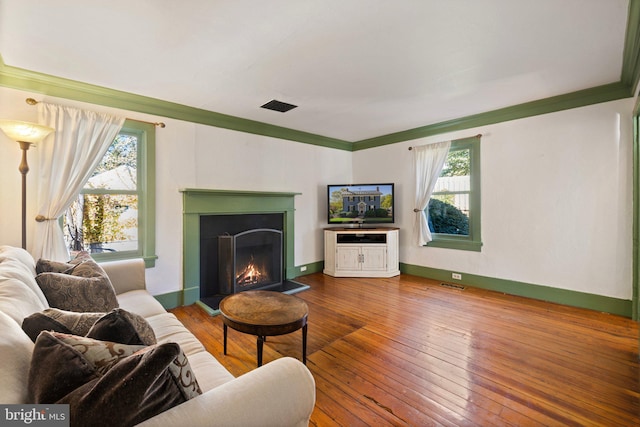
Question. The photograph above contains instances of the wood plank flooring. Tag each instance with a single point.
(409, 351)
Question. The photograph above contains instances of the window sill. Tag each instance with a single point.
(462, 245)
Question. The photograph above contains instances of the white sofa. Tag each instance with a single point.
(280, 393)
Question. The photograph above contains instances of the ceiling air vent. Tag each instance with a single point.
(280, 106)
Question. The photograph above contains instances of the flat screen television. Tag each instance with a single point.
(361, 204)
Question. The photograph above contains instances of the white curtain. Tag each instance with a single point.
(429, 161)
(67, 159)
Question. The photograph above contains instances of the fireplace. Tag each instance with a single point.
(209, 214)
(250, 260)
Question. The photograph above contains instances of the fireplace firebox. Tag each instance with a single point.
(243, 251)
(250, 260)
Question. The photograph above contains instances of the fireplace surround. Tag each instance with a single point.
(199, 204)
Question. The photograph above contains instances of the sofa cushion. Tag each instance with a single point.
(15, 350)
(19, 254)
(86, 288)
(141, 302)
(54, 319)
(123, 327)
(208, 370)
(17, 300)
(168, 328)
(11, 268)
(139, 385)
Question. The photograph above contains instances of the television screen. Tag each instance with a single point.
(360, 204)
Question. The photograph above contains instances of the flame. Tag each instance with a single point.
(250, 275)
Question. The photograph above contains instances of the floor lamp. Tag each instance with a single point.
(26, 134)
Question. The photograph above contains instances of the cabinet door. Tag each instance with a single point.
(374, 258)
(348, 258)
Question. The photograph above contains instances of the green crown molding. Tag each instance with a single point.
(609, 92)
(18, 78)
(631, 54)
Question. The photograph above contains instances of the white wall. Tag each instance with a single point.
(191, 156)
(556, 192)
(556, 200)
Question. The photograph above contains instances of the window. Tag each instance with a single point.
(114, 215)
(454, 208)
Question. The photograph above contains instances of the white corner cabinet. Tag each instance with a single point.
(361, 252)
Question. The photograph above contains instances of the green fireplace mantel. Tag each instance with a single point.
(197, 202)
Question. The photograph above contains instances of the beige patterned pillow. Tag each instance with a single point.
(86, 288)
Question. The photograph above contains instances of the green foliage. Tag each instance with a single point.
(458, 163)
(121, 152)
(101, 218)
(335, 204)
(376, 213)
(447, 219)
(385, 201)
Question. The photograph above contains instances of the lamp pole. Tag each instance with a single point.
(24, 168)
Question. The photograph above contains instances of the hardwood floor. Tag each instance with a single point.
(409, 351)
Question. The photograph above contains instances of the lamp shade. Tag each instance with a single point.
(24, 131)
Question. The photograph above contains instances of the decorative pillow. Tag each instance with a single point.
(53, 319)
(136, 387)
(61, 363)
(123, 327)
(86, 289)
(49, 266)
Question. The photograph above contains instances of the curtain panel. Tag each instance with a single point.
(67, 159)
(429, 161)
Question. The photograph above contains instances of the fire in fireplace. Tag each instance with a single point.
(249, 260)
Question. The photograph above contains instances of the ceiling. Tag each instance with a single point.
(356, 69)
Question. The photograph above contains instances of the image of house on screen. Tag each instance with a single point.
(361, 201)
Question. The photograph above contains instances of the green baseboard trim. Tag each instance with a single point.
(313, 267)
(208, 309)
(545, 293)
(178, 298)
(170, 300)
(191, 295)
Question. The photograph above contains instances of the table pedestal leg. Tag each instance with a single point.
(304, 344)
(260, 344)
(224, 329)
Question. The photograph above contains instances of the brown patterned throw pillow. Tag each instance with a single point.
(86, 288)
(49, 266)
(118, 325)
(54, 319)
(124, 327)
(61, 363)
(109, 384)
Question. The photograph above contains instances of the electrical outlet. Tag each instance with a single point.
(456, 276)
(303, 268)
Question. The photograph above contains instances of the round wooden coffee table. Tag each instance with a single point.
(264, 313)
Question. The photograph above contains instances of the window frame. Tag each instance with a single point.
(472, 242)
(146, 189)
